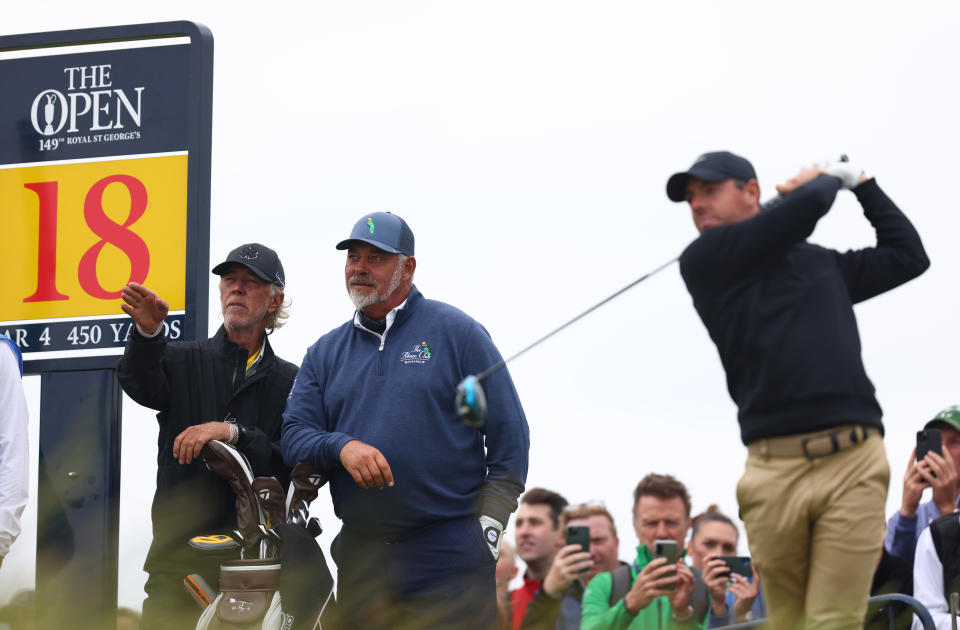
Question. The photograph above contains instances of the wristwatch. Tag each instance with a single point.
(234, 431)
(243, 433)
(238, 432)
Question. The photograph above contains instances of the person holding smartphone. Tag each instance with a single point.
(657, 593)
(539, 536)
(935, 469)
(734, 589)
(591, 548)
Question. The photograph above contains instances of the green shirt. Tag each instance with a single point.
(598, 614)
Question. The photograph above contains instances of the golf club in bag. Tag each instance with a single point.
(288, 561)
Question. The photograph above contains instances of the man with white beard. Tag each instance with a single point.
(424, 498)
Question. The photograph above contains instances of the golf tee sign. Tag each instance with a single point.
(104, 179)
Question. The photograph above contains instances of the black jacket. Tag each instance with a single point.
(780, 310)
(193, 382)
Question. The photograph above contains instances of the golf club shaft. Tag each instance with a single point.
(199, 589)
(493, 368)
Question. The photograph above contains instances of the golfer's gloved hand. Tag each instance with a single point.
(848, 172)
(492, 534)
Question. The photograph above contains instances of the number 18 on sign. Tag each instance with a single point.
(100, 200)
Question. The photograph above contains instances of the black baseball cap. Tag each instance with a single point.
(259, 259)
(384, 230)
(716, 166)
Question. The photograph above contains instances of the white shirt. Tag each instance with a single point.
(928, 583)
(392, 315)
(14, 454)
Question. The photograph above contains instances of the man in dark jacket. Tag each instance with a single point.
(230, 387)
(780, 311)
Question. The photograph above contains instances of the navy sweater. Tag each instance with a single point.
(398, 396)
(780, 310)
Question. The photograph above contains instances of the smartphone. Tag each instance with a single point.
(666, 549)
(738, 564)
(929, 440)
(579, 535)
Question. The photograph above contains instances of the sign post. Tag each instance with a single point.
(104, 179)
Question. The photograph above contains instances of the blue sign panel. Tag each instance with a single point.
(94, 104)
(104, 180)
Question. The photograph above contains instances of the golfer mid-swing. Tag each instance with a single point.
(780, 311)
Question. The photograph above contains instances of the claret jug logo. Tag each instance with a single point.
(88, 110)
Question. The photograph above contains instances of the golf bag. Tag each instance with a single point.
(290, 561)
(248, 599)
(250, 589)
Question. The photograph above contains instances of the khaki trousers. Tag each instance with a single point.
(815, 528)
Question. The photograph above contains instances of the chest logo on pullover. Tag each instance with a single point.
(419, 354)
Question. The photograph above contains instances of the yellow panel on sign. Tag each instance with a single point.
(79, 232)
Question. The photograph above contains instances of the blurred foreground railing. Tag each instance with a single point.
(918, 609)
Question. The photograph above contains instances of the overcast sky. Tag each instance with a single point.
(528, 144)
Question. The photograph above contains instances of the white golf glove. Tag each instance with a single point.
(492, 534)
(848, 173)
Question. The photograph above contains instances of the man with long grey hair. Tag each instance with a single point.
(231, 387)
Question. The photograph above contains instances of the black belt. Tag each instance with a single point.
(813, 445)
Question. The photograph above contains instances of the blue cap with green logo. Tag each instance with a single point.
(384, 230)
(950, 416)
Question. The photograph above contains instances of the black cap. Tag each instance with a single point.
(384, 230)
(717, 166)
(259, 259)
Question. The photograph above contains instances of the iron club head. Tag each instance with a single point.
(471, 402)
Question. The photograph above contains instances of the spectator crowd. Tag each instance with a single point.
(712, 583)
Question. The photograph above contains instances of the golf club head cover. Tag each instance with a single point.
(493, 534)
(270, 494)
(306, 584)
(214, 543)
(305, 483)
(848, 173)
(471, 402)
(229, 464)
